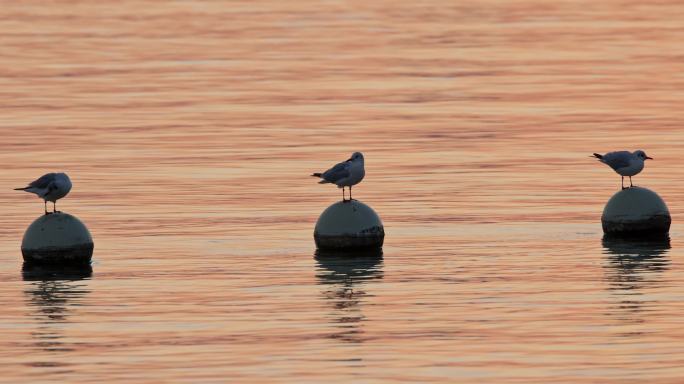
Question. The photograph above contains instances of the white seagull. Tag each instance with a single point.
(624, 163)
(49, 187)
(345, 174)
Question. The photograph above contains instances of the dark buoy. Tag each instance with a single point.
(57, 239)
(636, 212)
(349, 225)
(51, 272)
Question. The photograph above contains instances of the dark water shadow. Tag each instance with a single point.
(342, 277)
(51, 295)
(632, 267)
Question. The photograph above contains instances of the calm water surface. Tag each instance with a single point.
(189, 129)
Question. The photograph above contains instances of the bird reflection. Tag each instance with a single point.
(343, 276)
(50, 293)
(633, 267)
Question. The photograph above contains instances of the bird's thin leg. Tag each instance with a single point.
(623, 182)
(350, 198)
(630, 182)
(54, 206)
(343, 196)
(45, 201)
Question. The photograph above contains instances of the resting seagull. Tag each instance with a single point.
(345, 174)
(624, 163)
(49, 187)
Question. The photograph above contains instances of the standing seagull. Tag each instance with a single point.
(49, 187)
(345, 174)
(624, 163)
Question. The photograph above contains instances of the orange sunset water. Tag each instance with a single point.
(190, 128)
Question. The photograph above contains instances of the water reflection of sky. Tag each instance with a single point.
(189, 141)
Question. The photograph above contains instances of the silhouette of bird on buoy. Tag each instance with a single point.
(49, 187)
(625, 163)
(345, 174)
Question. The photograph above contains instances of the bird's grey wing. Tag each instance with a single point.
(43, 181)
(617, 160)
(338, 172)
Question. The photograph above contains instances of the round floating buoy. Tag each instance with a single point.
(636, 212)
(349, 225)
(57, 238)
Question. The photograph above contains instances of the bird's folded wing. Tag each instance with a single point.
(617, 160)
(338, 172)
(43, 182)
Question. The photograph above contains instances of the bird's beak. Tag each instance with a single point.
(649, 158)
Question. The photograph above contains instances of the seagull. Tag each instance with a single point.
(344, 174)
(625, 163)
(49, 187)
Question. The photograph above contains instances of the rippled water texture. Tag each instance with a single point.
(189, 129)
